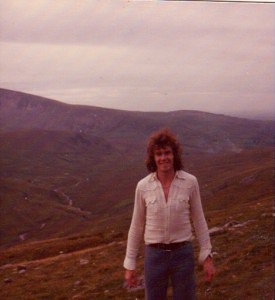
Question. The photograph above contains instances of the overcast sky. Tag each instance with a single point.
(142, 55)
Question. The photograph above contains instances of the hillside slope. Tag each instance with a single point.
(78, 264)
(66, 168)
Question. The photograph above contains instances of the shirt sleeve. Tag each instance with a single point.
(136, 232)
(200, 225)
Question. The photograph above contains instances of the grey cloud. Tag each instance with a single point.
(140, 55)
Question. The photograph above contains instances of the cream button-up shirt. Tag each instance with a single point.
(161, 221)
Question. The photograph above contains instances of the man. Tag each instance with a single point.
(166, 201)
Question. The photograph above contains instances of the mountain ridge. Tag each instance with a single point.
(33, 112)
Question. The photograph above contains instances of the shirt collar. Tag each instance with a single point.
(153, 177)
(179, 174)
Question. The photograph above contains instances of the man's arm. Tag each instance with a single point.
(135, 232)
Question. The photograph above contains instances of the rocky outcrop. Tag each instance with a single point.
(228, 226)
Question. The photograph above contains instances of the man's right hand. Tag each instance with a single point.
(131, 278)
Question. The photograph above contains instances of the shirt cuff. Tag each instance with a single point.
(203, 255)
(129, 264)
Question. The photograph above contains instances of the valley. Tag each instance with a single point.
(67, 181)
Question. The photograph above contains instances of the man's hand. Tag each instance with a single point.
(209, 269)
(131, 278)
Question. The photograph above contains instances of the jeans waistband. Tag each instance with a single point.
(169, 247)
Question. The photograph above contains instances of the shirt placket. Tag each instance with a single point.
(168, 216)
(164, 206)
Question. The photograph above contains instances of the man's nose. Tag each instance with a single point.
(163, 156)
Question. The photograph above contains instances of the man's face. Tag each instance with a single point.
(164, 159)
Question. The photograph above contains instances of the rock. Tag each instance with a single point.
(243, 224)
(42, 225)
(23, 236)
(216, 230)
(7, 266)
(84, 261)
(232, 223)
(228, 226)
(21, 268)
(7, 280)
(248, 180)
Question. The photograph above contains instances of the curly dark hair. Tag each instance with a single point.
(160, 139)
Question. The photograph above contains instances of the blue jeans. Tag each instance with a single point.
(177, 265)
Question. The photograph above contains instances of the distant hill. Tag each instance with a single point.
(72, 168)
(198, 131)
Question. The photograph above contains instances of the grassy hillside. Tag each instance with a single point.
(238, 191)
(89, 266)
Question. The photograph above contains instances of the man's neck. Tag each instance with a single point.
(166, 177)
